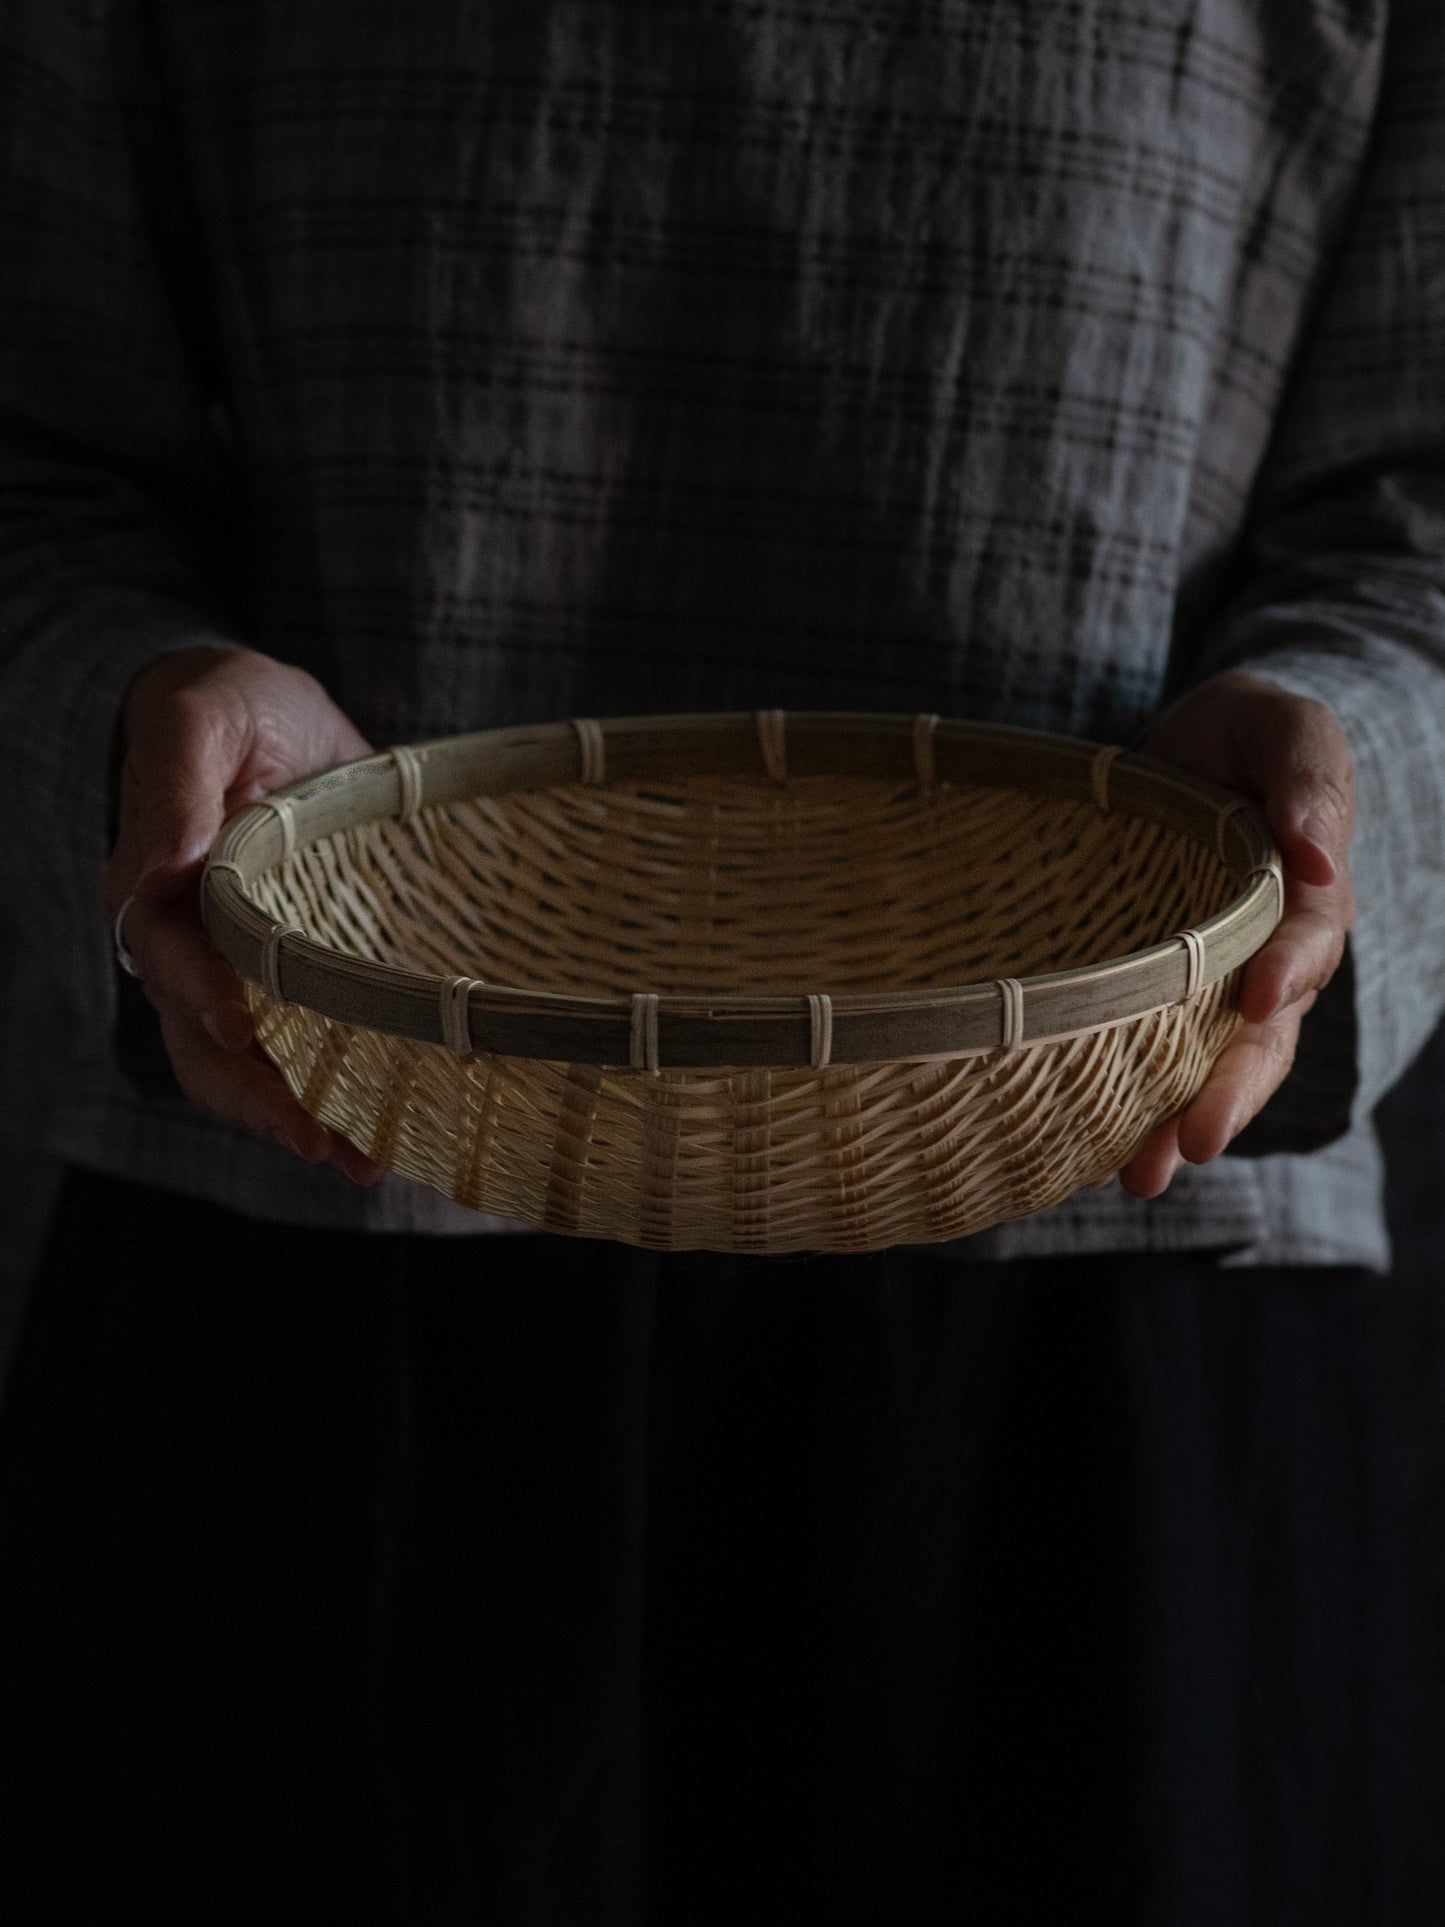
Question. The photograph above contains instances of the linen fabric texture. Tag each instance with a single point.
(500, 365)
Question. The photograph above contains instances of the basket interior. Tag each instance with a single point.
(716, 885)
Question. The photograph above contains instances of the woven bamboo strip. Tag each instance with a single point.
(658, 955)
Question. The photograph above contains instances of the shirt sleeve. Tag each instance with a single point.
(114, 481)
(1342, 595)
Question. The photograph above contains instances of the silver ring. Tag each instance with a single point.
(122, 955)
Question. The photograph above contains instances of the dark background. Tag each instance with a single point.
(1412, 1122)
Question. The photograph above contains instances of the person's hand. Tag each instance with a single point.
(1290, 756)
(205, 733)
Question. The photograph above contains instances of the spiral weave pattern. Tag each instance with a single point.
(815, 886)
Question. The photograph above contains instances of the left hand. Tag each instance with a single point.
(1289, 755)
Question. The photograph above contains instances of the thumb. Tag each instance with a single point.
(1300, 760)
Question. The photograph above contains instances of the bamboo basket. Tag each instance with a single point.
(745, 982)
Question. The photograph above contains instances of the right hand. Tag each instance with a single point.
(204, 734)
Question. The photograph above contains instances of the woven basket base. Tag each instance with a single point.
(911, 1152)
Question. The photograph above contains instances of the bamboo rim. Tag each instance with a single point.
(703, 1032)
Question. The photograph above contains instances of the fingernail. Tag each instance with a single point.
(295, 1143)
(363, 1181)
(1275, 1003)
(230, 1030)
(1313, 831)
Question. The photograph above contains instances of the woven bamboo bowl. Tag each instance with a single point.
(747, 983)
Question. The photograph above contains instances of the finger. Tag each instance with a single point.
(181, 971)
(1297, 759)
(187, 981)
(242, 1090)
(355, 1164)
(1149, 1171)
(1302, 954)
(250, 1092)
(1247, 1074)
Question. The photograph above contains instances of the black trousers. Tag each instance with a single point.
(528, 1581)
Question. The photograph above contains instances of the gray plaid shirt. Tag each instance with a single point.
(1023, 361)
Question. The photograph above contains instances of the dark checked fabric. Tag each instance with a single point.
(1015, 359)
(590, 1587)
